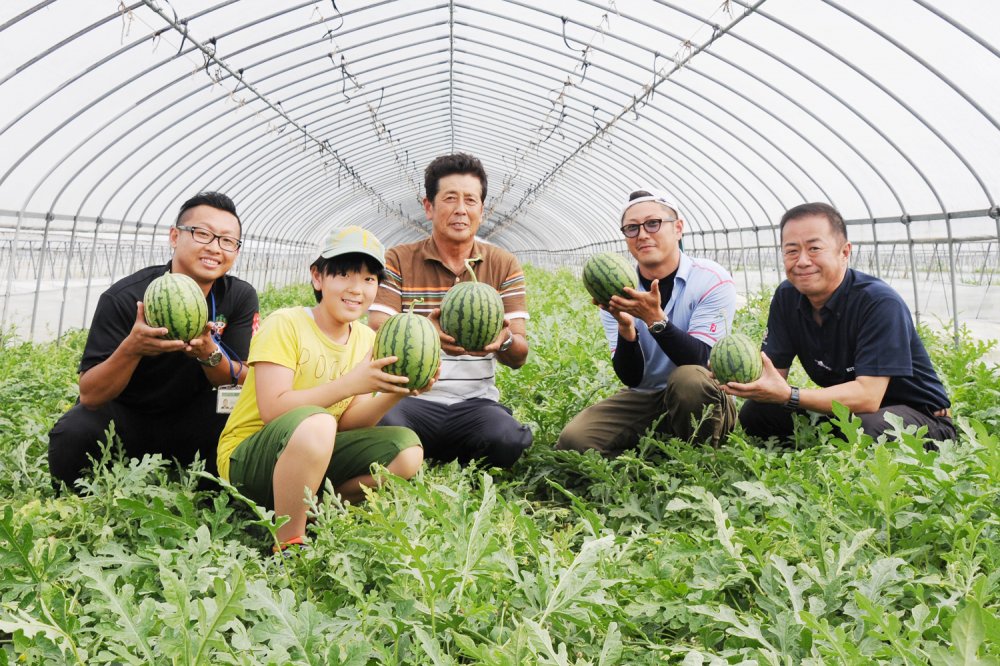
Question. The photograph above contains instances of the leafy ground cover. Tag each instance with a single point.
(839, 550)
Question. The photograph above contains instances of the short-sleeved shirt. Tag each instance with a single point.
(867, 331)
(169, 381)
(291, 338)
(702, 304)
(415, 270)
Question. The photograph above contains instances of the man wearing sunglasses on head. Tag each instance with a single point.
(661, 335)
(160, 393)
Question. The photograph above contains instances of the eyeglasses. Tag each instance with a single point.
(651, 227)
(205, 237)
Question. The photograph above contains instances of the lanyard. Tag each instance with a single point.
(226, 351)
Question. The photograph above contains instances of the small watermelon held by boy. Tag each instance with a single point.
(414, 342)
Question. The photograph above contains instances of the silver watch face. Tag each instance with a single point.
(213, 359)
(658, 326)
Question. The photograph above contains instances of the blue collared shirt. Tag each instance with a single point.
(703, 303)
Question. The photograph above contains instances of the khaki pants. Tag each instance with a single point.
(617, 423)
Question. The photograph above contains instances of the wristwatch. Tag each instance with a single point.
(506, 344)
(793, 399)
(658, 327)
(212, 359)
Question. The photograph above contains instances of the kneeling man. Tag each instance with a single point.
(852, 333)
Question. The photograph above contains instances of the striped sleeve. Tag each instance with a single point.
(389, 299)
(513, 291)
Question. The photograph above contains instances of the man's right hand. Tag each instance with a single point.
(145, 340)
(448, 345)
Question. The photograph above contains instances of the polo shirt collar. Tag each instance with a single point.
(431, 253)
(837, 302)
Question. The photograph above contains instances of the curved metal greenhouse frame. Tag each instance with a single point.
(319, 114)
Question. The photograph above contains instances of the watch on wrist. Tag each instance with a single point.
(658, 327)
(506, 344)
(212, 359)
(793, 399)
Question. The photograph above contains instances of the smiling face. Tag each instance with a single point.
(658, 253)
(815, 257)
(203, 263)
(457, 209)
(346, 294)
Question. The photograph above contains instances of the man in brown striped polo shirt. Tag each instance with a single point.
(461, 416)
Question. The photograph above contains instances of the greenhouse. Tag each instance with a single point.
(321, 115)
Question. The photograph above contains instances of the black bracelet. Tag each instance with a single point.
(793, 400)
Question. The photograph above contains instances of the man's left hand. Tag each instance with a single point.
(769, 387)
(644, 305)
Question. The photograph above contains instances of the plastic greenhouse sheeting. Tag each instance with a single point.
(319, 114)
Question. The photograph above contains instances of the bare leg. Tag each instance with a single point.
(404, 465)
(302, 464)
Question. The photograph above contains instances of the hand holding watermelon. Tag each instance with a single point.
(146, 340)
(771, 386)
(370, 376)
(644, 305)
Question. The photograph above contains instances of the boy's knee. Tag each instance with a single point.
(407, 462)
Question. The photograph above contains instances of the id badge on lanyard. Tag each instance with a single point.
(225, 396)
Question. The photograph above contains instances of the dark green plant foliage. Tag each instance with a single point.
(839, 550)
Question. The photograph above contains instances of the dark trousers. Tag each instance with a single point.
(177, 434)
(463, 431)
(769, 420)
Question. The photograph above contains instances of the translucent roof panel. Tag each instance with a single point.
(316, 114)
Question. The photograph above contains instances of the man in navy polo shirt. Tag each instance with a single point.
(852, 333)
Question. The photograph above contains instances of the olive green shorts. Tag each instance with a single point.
(251, 466)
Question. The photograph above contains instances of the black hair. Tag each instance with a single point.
(446, 165)
(816, 208)
(213, 199)
(347, 263)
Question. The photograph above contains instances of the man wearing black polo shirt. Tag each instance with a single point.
(160, 393)
(852, 333)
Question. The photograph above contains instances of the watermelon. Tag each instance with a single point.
(472, 313)
(175, 302)
(736, 358)
(414, 341)
(607, 274)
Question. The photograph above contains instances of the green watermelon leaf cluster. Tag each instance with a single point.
(472, 313)
(415, 342)
(736, 358)
(607, 274)
(175, 302)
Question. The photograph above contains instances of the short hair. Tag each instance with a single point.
(446, 165)
(213, 199)
(831, 214)
(645, 193)
(346, 263)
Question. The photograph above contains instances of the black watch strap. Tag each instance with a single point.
(793, 399)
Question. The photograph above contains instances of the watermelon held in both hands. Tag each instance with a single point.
(415, 342)
(607, 274)
(175, 302)
(736, 358)
(472, 313)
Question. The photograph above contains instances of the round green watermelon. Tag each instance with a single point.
(736, 358)
(472, 313)
(414, 340)
(607, 274)
(175, 302)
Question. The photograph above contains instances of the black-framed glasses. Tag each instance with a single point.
(205, 237)
(651, 227)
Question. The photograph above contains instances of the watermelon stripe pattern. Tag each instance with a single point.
(736, 358)
(472, 313)
(414, 340)
(175, 302)
(607, 274)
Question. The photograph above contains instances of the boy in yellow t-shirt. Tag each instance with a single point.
(313, 394)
